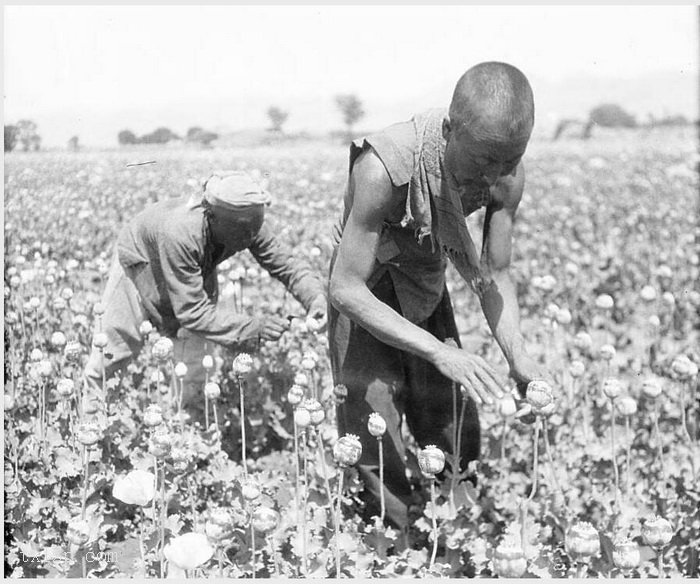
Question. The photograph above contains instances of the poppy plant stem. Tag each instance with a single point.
(433, 513)
(628, 442)
(86, 478)
(337, 521)
(382, 502)
(613, 454)
(252, 546)
(535, 471)
(243, 442)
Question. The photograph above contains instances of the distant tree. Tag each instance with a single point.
(159, 136)
(10, 138)
(277, 118)
(200, 136)
(351, 108)
(127, 137)
(74, 144)
(27, 135)
(611, 115)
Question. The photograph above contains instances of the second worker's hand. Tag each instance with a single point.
(472, 372)
(273, 327)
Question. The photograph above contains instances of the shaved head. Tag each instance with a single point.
(494, 100)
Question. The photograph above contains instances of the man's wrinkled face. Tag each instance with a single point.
(481, 158)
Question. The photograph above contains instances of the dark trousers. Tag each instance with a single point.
(396, 384)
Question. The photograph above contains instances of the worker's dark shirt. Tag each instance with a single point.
(163, 251)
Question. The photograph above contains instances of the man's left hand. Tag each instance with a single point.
(316, 316)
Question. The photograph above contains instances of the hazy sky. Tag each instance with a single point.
(105, 61)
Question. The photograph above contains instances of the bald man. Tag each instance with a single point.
(409, 190)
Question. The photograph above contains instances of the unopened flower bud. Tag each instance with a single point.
(58, 340)
(207, 362)
(684, 368)
(301, 379)
(302, 416)
(9, 402)
(180, 369)
(668, 298)
(98, 309)
(45, 368)
(564, 316)
(160, 444)
(607, 352)
(36, 355)
(651, 387)
(507, 406)
(59, 304)
(376, 425)
(648, 293)
(583, 341)
(145, 328)
(604, 302)
(347, 450)
(34, 303)
(66, 294)
(577, 369)
(626, 405)
(100, 340)
(212, 390)
(250, 490)
(89, 433)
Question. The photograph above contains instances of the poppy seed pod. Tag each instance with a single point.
(564, 316)
(612, 387)
(668, 298)
(180, 369)
(509, 560)
(45, 368)
(316, 412)
(72, 351)
(295, 394)
(265, 520)
(242, 364)
(153, 416)
(657, 532)
(66, 294)
(376, 425)
(34, 303)
(626, 555)
(684, 368)
(162, 349)
(65, 388)
(219, 525)
(58, 340)
(78, 532)
(651, 387)
(340, 392)
(302, 416)
(59, 304)
(539, 394)
(607, 352)
(582, 541)
(88, 433)
(207, 362)
(577, 369)
(36, 355)
(9, 402)
(250, 489)
(431, 460)
(160, 444)
(347, 450)
(100, 340)
(212, 390)
(98, 308)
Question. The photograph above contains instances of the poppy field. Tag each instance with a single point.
(593, 475)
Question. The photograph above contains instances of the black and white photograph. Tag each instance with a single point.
(351, 291)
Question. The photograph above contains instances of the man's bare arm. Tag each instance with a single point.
(499, 302)
(373, 202)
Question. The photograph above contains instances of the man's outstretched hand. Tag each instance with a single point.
(272, 327)
(472, 372)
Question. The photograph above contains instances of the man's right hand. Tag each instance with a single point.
(272, 327)
(472, 372)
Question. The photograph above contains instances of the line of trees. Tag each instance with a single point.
(24, 133)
